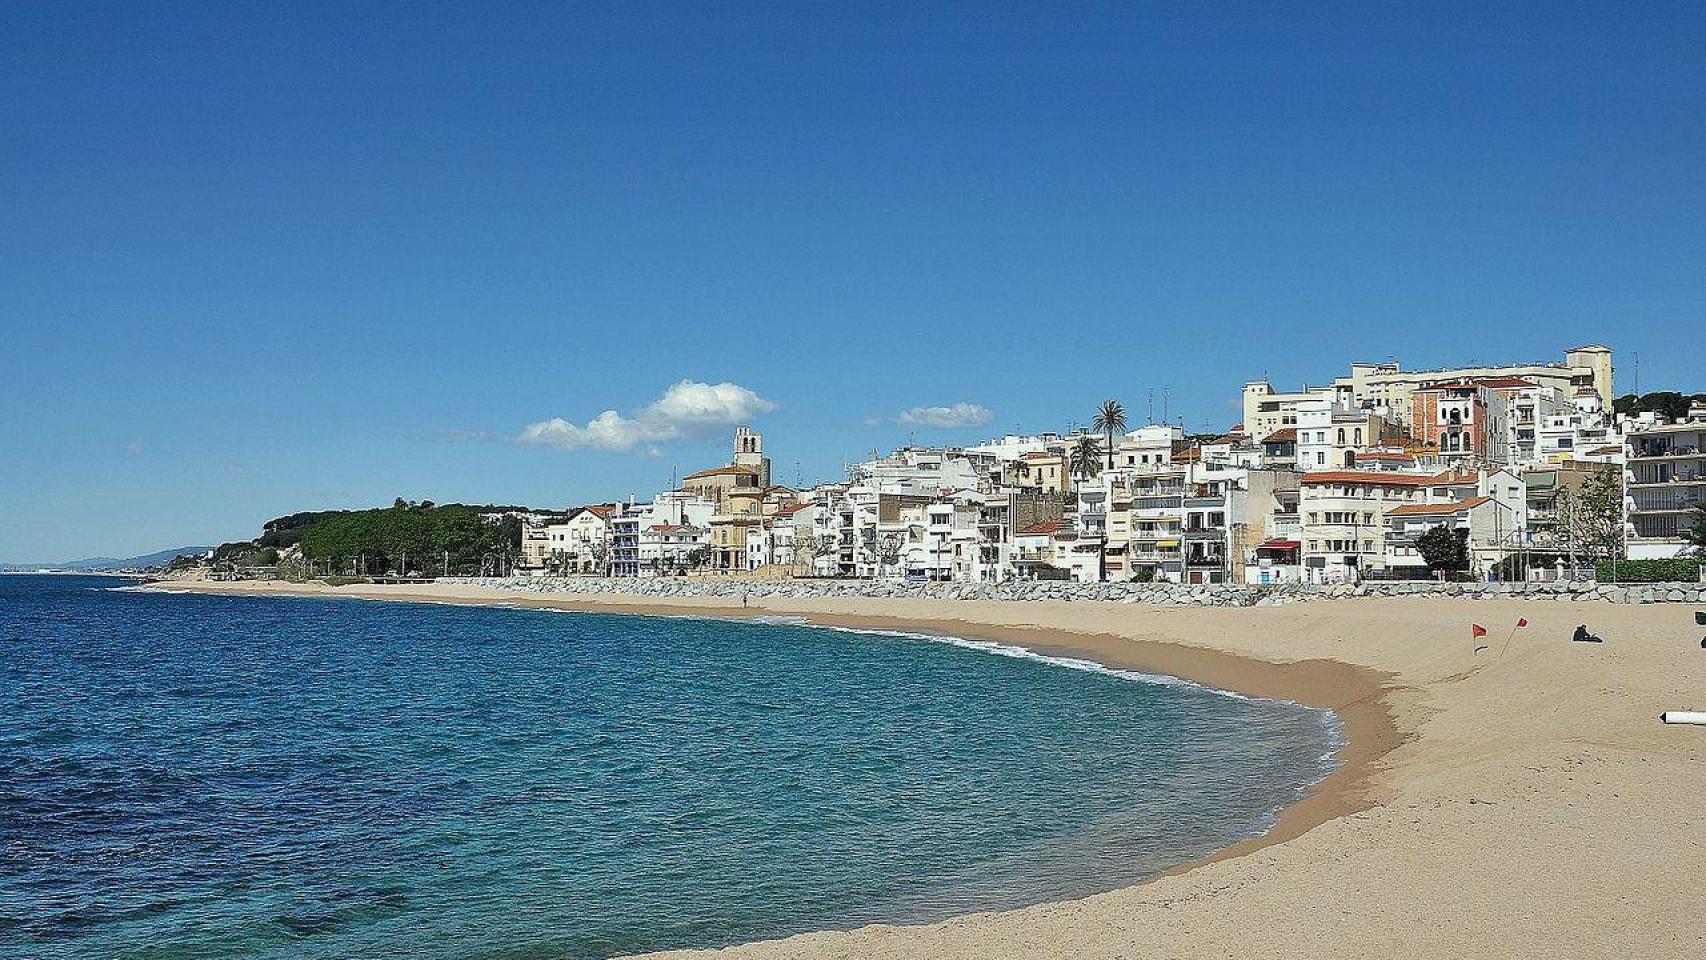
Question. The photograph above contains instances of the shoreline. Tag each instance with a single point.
(1388, 685)
(1355, 696)
(1365, 722)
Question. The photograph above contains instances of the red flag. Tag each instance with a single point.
(1476, 631)
(1522, 621)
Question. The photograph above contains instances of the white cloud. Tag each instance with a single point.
(688, 408)
(958, 415)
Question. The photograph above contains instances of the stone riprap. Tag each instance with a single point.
(664, 589)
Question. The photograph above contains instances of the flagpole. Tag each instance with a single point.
(1520, 623)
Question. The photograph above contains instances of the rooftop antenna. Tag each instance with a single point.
(1165, 396)
(1151, 404)
(1635, 374)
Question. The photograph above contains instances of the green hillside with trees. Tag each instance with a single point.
(407, 538)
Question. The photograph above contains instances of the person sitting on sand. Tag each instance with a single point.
(1583, 636)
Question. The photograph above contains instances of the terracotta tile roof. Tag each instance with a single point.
(1375, 477)
(1504, 382)
(1041, 529)
(1393, 457)
(1429, 509)
(721, 471)
(599, 510)
(1281, 435)
(1453, 477)
(788, 510)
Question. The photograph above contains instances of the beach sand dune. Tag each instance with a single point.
(1523, 805)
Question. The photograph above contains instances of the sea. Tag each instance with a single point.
(199, 776)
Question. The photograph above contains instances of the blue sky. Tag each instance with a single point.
(263, 259)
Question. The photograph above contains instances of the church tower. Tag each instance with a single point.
(749, 452)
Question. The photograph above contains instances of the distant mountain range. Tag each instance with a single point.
(110, 563)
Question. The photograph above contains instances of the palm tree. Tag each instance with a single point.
(1110, 419)
(1086, 457)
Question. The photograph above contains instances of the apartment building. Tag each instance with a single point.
(1665, 479)
(1332, 435)
(670, 549)
(658, 538)
(1344, 520)
(1582, 430)
(1543, 541)
(1387, 386)
(1388, 389)
(1277, 552)
(1267, 410)
(581, 543)
(1464, 421)
(1487, 522)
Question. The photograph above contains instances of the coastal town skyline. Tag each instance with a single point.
(687, 426)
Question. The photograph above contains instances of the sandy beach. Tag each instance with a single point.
(1526, 802)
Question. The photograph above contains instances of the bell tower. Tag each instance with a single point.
(749, 452)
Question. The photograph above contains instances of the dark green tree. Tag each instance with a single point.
(1445, 549)
(1666, 403)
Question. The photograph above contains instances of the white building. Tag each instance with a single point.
(1344, 520)
(918, 470)
(655, 539)
(1388, 389)
(1665, 480)
(1582, 431)
(669, 549)
(1488, 523)
(580, 544)
(1332, 435)
(1267, 410)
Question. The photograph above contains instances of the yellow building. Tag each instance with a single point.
(743, 495)
(1039, 471)
(741, 513)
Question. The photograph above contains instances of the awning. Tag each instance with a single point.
(1281, 545)
(1167, 543)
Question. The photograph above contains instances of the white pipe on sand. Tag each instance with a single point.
(1696, 717)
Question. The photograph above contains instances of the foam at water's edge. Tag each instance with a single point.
(1329, 719)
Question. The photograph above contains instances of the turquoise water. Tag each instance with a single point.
(199, 776)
